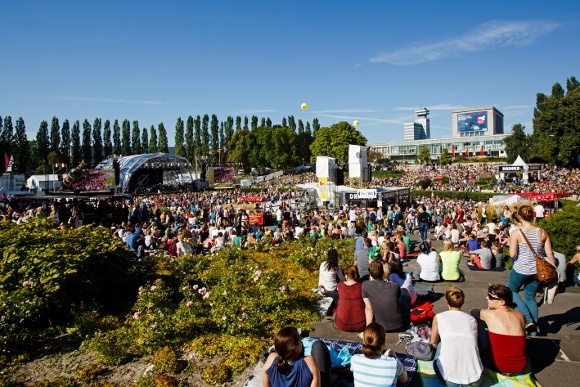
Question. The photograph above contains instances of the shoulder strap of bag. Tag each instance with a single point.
(528, 242)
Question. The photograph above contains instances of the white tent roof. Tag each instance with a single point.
(519, 161)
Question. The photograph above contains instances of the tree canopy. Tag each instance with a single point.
(333, 141)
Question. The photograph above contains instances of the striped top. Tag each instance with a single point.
(378, 371)
(526, 263)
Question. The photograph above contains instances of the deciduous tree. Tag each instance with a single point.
(179, 139)
(42, 142)
(86, 142)
(333, 141)
(20, 148)
(163, 144)
(126, 139)
(75, 146)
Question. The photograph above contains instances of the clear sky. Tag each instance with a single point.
(371, 61)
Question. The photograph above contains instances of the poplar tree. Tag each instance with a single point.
(55, 135)
(107, 144)
(144, 141)
(254, 122)
(215, 144)
(163, 145)
(65, 139)
(153, 145)
(189, 149)
(6, 133)
(136, 138)
(126, 138)
(179, 149)
(42, 142)
(75, 146)
(86, 142)
(20, 148)
(117, 138)
(197, 136)
(205, 136)
(97, 141)
(238, 122)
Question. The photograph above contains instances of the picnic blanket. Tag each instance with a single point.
(341, 352)
(490, 378)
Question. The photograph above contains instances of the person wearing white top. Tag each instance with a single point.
(457, 361)
(430, 266)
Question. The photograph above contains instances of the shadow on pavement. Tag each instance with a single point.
(542, 352)
(553, 323)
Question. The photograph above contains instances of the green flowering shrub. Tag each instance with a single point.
(227, 305)
(48, 274)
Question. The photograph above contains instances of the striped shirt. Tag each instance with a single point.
(378, 371)
(526, 263)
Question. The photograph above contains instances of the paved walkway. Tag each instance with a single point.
(555, 357)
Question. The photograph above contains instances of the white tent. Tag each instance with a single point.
(507, 200)
(41, 182)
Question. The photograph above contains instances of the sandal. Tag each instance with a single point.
(531, 329)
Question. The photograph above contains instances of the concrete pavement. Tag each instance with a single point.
(555, 355)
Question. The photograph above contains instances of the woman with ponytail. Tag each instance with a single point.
(375, 367)
(288, 367)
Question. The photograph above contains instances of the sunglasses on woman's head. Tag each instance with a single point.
(492, 296)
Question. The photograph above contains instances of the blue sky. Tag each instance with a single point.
(371, 61)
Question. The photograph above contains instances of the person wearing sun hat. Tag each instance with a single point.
(502, 333)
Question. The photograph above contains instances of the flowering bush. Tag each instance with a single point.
(48, 274)
(228, 305)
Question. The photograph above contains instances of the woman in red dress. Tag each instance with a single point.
(350, 312)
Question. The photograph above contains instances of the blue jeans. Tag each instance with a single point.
(530, 283)
(423, 230)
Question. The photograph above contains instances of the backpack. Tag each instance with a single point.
(422, 312)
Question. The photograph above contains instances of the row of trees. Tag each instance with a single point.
(196, 137)
(555, 138)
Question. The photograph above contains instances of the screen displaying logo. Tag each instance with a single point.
(472, 122)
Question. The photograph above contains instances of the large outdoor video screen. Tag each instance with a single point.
(472, 122)
(221, 175)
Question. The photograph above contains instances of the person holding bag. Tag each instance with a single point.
(524, 271)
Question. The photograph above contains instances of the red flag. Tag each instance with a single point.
(466, 151)
(9, 162)
(453, 150)
(481, 151)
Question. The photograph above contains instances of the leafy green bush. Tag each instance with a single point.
(48, 274)
(563, 229)
(461, 195)
(216, 374)
(165, 361)
(229, 304)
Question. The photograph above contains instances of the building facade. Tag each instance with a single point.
(475, 132)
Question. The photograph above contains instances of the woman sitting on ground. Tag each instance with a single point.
(502, 346)
(375, 366)
(329, 276)
(288, 366)
(350, 311)
(457, 359)
(429, 262)
(450, 260)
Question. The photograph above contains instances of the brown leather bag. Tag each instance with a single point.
(545, 271)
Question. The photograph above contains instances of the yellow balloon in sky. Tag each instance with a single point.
(304, 106)
(355, 123)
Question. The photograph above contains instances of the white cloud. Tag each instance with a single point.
(487, 35)
(114, 100)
